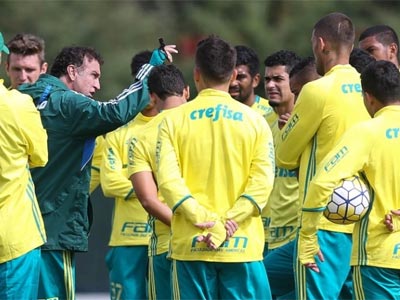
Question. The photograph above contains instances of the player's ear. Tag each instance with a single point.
(186, 93)
(256, 80)
(233, 76)
(323, 45)
(196, 74)
(43, 68)
(393, 49)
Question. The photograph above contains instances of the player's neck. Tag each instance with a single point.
(284, 107)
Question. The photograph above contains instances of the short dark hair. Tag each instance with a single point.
(384, 34)
(359, 59)
(381, 79)
(165, 81)
(336, 28)
(307, 63)
(285, 58)
(27, 44)
(216, 59)
(248, 57)
(73, 56)
(138, 60)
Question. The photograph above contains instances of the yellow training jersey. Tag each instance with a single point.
(373, 148)
(96, 163)
(23, 144)
(142, 156)
(218, 152)
(129, 221)
(262, 106)
(325, 109)
(280, 215)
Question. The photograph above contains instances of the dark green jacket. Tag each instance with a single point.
(72, 121)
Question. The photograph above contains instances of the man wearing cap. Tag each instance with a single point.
(23, 145)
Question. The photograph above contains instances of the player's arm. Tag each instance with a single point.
(114, 182)
(261, 179)
(141, 176)
(146, 192)
(300, 128)
(346, 159)
(34, 133)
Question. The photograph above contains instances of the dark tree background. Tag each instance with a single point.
(120, 28)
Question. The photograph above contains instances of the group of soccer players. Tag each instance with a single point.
(214, 198)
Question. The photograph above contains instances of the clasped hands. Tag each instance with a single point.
(216, 232)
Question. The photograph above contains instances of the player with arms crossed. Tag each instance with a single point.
(372, 148)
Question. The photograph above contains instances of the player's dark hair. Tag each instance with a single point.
(359, 59)
(73, 56)
(166, 81)
(384, 34)
(138, 60)
(336, 28)
(248, 57)
(216, 59)
(285, 58)
(306, 64)
(381, 79)
(27, 44)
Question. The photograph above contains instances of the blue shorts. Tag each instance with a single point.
(19, 277)
(334, 277)
(280, 271)
(127, 272)
(214, 280)
(159, 277)
(374, 283)
(57, 275)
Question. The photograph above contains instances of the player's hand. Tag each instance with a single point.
(282, 120)
(231, 227)
(308, 248)
(392, 220)
(214, 235)
(313, 266)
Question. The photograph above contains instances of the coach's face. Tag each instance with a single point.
(86, 79)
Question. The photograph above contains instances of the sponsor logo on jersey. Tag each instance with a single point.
(234, 244)
(336, 158)
(289, 126)
(392, 133)
(266, 221)
(280, 232)
(348, 88)
(396, 251)
(135, 229)
(281, 172)
(215, 113)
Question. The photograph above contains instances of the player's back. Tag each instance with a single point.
(224, 152)
(342, 106)
(376, 245)
(216, 160)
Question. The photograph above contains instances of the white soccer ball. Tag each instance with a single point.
(349, 201)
